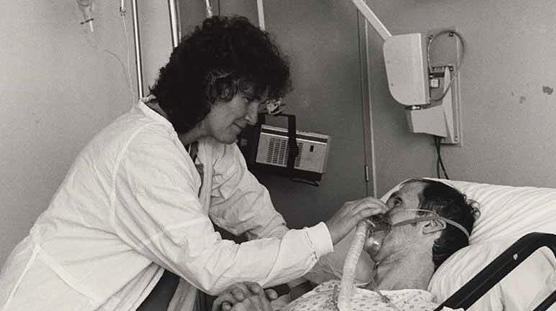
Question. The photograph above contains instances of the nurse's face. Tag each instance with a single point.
(227, 118)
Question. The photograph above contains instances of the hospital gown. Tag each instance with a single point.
(321, 299)
(134, 204)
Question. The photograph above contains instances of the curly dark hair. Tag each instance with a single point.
(450, 203)
(217, 59)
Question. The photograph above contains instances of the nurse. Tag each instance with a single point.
(144, 195)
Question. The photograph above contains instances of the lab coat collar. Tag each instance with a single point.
(141, 105)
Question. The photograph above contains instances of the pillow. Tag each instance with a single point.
(507, 213)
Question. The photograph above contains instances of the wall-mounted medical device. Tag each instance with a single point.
(406, 69)
(299, 155)
(312, 149)
(412, 80)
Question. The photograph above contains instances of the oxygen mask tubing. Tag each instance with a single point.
(380, 225)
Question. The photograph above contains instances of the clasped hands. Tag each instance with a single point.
(245, 296)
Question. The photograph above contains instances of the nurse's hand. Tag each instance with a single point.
(238, 293)
(351, 214)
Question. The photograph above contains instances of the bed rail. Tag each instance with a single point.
(499, 268)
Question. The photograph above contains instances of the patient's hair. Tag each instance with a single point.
(217, 59)
(449, 203)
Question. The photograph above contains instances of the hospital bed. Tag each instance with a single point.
(510, 263)
(500, 268)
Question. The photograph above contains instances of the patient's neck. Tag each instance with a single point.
(408, 270)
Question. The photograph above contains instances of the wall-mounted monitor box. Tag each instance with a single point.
(407, 70)
(273, 149)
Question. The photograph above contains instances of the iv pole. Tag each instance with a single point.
(136, 38)
(174, 23)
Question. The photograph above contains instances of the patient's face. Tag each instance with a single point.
(401, 204)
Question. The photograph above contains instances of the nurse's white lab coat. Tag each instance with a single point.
(132, 204)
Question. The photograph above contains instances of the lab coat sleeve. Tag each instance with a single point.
(239, 203)
(157, 213)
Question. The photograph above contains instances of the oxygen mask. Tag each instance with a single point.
(381, 225)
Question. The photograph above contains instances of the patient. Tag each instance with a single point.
(409, 255)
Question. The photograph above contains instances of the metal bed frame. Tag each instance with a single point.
(466, 296)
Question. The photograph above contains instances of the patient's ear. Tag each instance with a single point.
(433, 226)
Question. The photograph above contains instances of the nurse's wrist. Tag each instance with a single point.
(321, 239)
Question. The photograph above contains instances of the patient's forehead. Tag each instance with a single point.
(413, 187)
(408, 196)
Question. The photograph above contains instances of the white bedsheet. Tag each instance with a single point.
(320, 299)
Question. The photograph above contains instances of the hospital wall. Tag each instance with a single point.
(507, 82)
(59, 85)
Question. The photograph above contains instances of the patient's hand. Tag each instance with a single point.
(246, 296)
(253, 303)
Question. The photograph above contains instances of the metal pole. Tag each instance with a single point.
(260, 11)
(372, 18)
(174, 22)
(137, 49)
